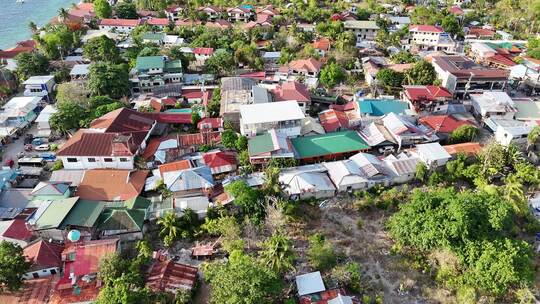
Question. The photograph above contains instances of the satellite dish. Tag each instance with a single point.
(74, 235)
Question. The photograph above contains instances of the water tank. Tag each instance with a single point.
(74, 235)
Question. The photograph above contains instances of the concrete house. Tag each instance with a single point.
(493, 104)
(363, 30)
(285, 117)
(124, 26)
(112, 141)
(430, 38)
(45, 259)
(155, 71)
(17, 113)
(462, 76)
(40, 86)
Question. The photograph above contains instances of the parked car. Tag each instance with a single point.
(43, 147)
(28, 138)
(38, 141)
(50, 157)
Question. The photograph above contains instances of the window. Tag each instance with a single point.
(107, 160)
(91, 160)
(35, 275)
(123, 159)
(53, 271)
(71, 160)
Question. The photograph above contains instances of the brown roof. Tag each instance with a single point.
(121, 22)
(90, 143)
(309, 65)
(123, 120)
(111, 185)
(463, 67)
(35, 291)
(174, 166)
(170, 276)
(470, 148)
(43, 254)
(292, 90)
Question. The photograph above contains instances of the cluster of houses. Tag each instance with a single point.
(102, 201)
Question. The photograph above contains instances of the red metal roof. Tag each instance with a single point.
(443, 123)
(480, 32)
(292, 90)
(425, 28)
(219, 159)
(83, 257)
(123, 120)
(174, 166)
(322, 44)
(214, 123)
(158, 21)
(203, 51)
(197, 139)
(18, 231)
(501, 59)
(170, 276)
(43, 254)
(426, 93)
(470, 148)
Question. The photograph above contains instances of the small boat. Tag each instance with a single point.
(20, 1)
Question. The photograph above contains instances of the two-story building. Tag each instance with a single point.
(124, 26)
(17, 113)
(154, 71)
(213, 13)
(462, 76)
(285, 117)
(112, 141)
(363, 30)
(430, 38)
(240, 14)
(41, 86)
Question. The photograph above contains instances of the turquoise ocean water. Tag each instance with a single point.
(14, 17)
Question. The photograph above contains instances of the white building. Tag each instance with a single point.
(346, 175)
(363, 30)
(41, 86)
(433, 154)
(509, 131)
(430, 38)
(285, 116)
(44, 127)
(493, 104)
(306, 182)
(124, 26)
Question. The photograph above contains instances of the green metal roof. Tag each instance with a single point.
(260, 144)
(138, 202)
(330, 143)
(55, 213)
(153, 36)
(83, 214)
(173, 66)
(128, 217)
(150, 62)
(380, 107)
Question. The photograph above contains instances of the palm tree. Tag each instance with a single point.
(277, 253)
(169, 227)
(62, 14)
(33, 27)
(271, 183)
(513, 192)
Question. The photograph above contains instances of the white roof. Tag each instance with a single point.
(304, 179)
(38, 79)
(361, 24)
(79, 69)
(270, 112)
(512, 127)
(271, 55)
(309, 283)
(339, 170)
(494, 102)
(432, 151)
(340, 299)
(46, 113)
(20, 106)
